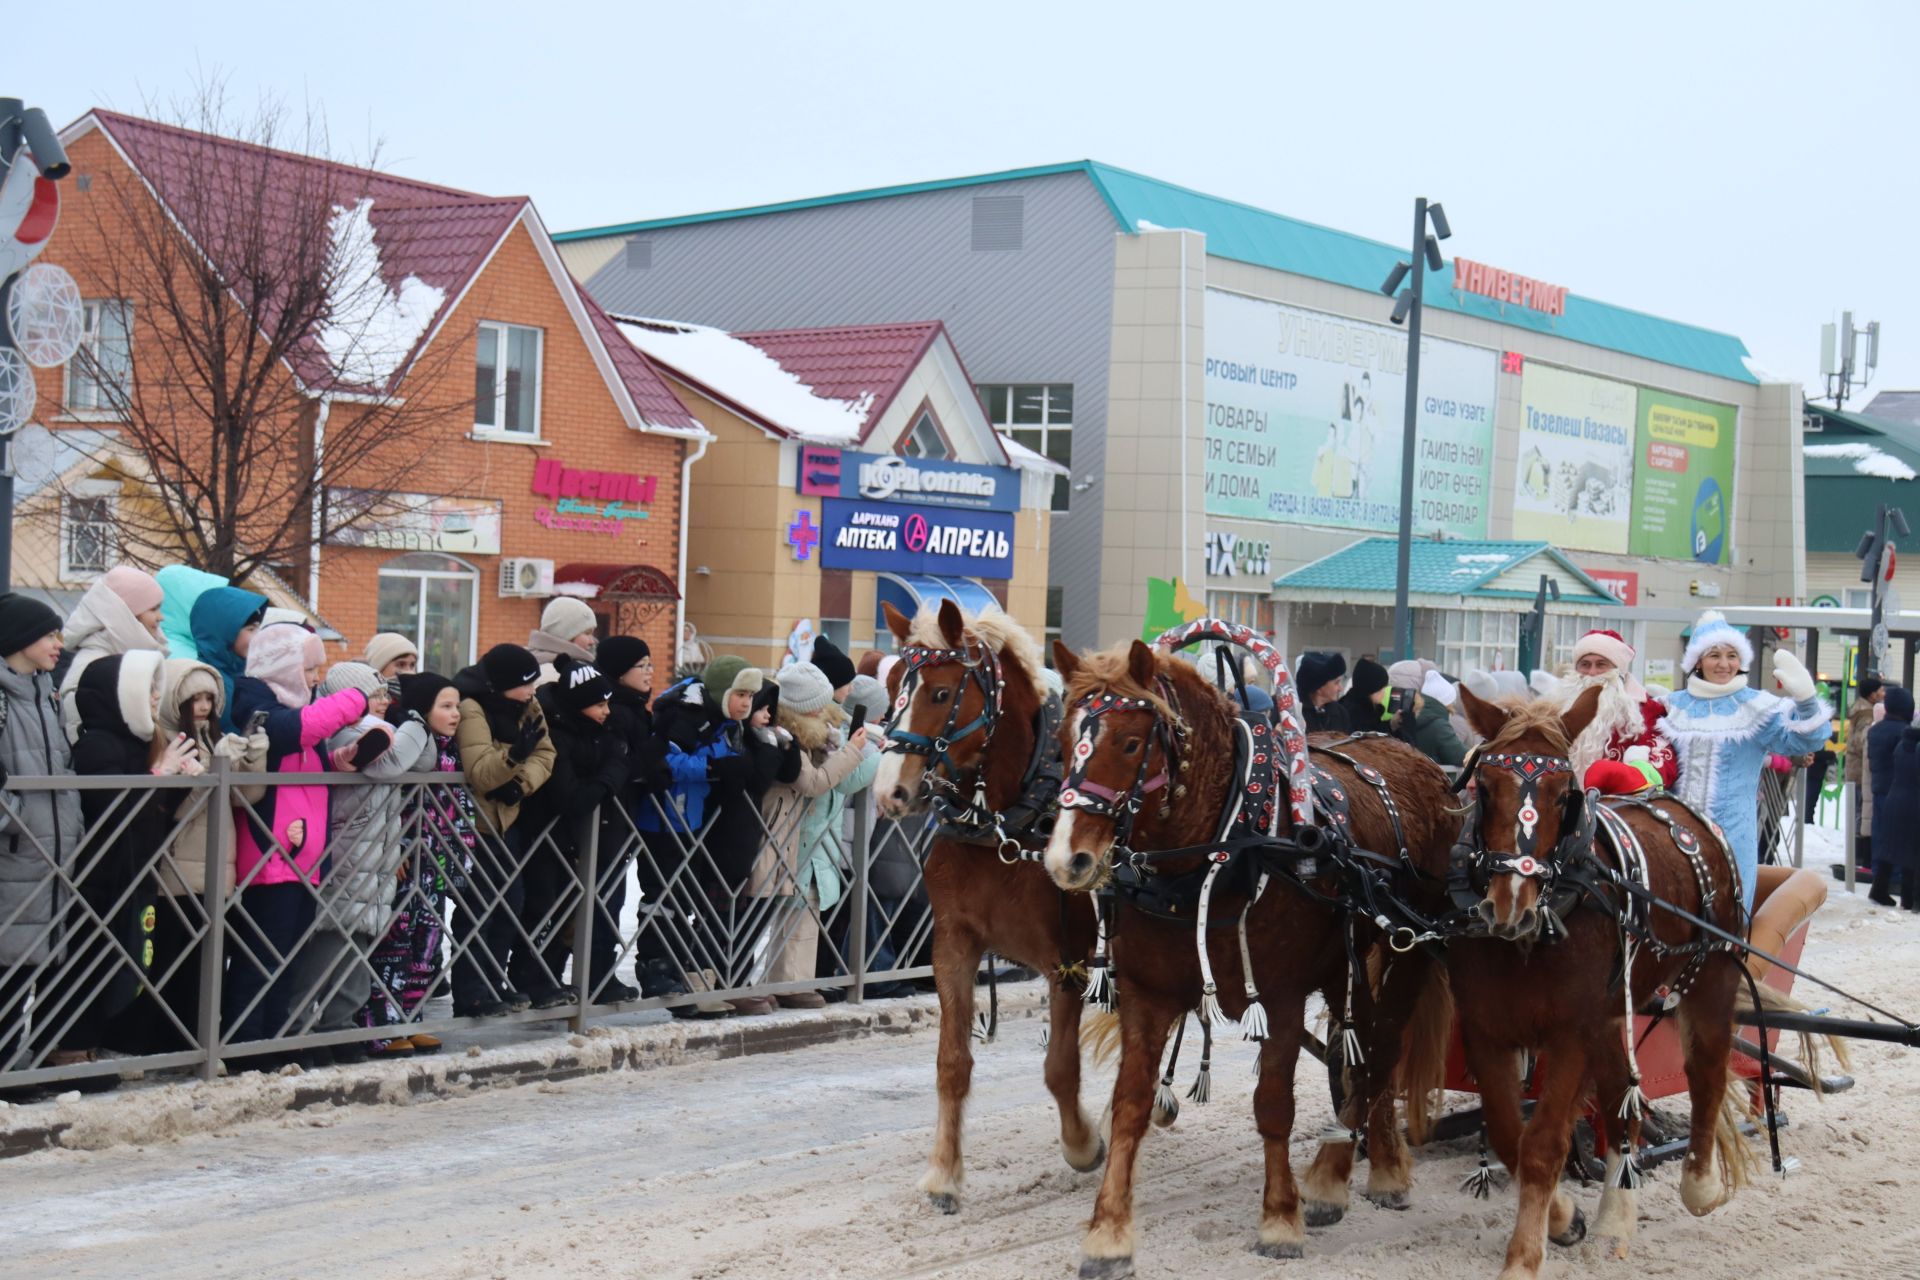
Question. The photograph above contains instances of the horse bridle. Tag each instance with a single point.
(1473, 865)
(1083, 794)
(982, 666)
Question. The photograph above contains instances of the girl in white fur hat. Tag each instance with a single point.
(1724, 729)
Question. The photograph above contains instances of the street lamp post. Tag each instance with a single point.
(1408, 304)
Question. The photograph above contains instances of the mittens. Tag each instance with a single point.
(1792, 674)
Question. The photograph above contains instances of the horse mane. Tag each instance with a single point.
(1537, 716)
(992, 628)
(1108, 672)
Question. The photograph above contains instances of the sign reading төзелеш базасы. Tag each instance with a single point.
(1304, 414)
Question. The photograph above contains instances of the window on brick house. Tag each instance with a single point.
(433, 600)
(101, 370)
(1039, 416)
(506, 379)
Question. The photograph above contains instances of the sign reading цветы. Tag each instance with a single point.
(892, 538)
(1304, 414)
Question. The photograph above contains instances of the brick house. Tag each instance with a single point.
(544, 453)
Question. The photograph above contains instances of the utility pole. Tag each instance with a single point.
(1408, 305)
(1876, 563)
(38, 325)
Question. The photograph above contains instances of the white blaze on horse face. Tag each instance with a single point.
(885, 779)
(1060, 850)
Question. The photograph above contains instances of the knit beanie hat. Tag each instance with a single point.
(24, 620)
(1439, 688)
(137, 590)
(1867, 686)
(351, 675)
(804, 688)
(566, 617)
(836, 666)
(869, 693)
(1369, 677)
(1316, 669)
(718, 677)
(1408, 674)
(387, 646)
(1714, 629)
(418, 692)
(618, 655)
(581, 686)
(508, 666)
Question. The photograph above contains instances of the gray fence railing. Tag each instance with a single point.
(133, 944)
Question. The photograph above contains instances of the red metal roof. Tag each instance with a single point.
(851, 361)
(651, 396)
(440, 235)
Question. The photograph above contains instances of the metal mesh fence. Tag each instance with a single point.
(178, 927)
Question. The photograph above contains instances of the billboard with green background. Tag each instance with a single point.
(1683, 478)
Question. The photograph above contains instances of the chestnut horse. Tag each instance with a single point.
(1168, 752)
(983, 901)
(1549, 978)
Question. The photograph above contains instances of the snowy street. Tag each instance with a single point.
(804, 1164)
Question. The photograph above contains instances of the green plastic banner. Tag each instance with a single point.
(1682, 478)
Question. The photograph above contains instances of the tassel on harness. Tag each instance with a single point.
(1211, 1015)
(1627, 1178)
(1479, 1183)
(1099, 981)
(987, 1025)
(1253, 1023)
(1203, 1083)
(1165, 1101)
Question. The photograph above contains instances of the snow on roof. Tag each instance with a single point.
(1028, 460)
(1867, 460)
(1487, 558)
(370, 328)
(749, 377)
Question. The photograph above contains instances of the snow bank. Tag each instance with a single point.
(1867, 459)
(749, 377)
(369, 329)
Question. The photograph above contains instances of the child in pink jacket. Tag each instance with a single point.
(281, 842)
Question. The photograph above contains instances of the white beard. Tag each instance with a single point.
(1619, 713)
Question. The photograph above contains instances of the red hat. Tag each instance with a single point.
(1609, 645)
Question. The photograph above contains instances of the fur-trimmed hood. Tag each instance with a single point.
(116, 694)
(813, 730)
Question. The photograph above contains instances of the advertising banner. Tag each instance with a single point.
(1683, 478)
(1304, 414)
(892, 537)
(933, 482)
(1574, 486)
(415, 522)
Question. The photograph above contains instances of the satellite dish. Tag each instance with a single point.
(45, 313)
(18, 395)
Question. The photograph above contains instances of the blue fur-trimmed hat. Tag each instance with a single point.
(1714, 629)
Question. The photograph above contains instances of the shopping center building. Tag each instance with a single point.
(1227, 392)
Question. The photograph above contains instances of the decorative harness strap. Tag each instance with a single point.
(983, 669)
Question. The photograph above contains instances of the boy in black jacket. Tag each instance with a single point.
(589, 780)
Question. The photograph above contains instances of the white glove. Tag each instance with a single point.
(1793, 677)
(1639, 755)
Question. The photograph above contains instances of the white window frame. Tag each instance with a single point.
(90, 313)
(497, 431)
(1062, 498)
(467, 572)
(89, 491)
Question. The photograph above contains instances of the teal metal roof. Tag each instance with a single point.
(1860, 472)
(1248, 234)
(1451, 568)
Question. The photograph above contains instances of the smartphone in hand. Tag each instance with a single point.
(859, 721)
(256, 722)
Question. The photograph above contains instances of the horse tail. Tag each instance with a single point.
(1423, 1067)
(1811, 1043)
(1100, 1036)
(1736, 1155)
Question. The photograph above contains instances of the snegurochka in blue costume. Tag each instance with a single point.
(1724, 730)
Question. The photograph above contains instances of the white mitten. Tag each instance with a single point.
(1794, 680)
(1639, 755)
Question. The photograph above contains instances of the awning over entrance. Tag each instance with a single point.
(615, 583)
(908, 591)
(1450, 574)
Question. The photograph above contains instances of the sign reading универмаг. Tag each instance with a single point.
(933, 482)
(890, 537)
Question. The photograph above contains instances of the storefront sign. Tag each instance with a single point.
(1228, 555)
(895, 538)
(1304, 414)
(1622, 584)
(803, 535)
(1574, 487)
(1683, 478)
(885, 477)
(1509, 286)
(414, 522)
(589, 501)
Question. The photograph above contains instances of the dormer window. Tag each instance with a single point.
(925, 439)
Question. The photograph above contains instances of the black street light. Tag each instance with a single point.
(1407, 306)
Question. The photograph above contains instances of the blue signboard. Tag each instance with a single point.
(891, 537)
(882, 477)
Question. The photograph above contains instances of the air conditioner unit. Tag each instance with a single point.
(522, 576)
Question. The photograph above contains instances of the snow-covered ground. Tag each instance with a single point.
(804, 1165)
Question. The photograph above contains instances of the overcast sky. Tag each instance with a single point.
(1749, 167)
